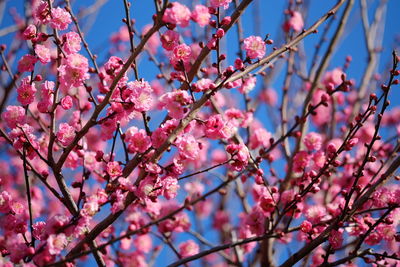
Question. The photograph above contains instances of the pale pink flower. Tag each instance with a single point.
(260, 137)
(248, 84)
(66, 134)
(313, 141)
(74, 70)
(218, 128)
(170, 187)
(300, 161)
(178, 14)
(220, 3)
(71, 42)
(56, 243)
(295, 22)
(13, 116)
(336, 238)
(154, 42)
(26, 91)
(201, 15)
(66, 102)
(333, 77)
(187, 146)
(269, 96)
(140, 94)
(254, 47)
(46, 99)
(139, 142)
(175, 103)
(27, 63)
(143, 243)
(114, 169)
(202, 85)
(43, 53)
(188, 248)
(30, 32)
(169, 40)
(306, 226)
(60, 19)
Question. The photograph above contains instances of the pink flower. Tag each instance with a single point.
(56, 243)
(66, 102)
(60, 18)
(240, 156)
(300, 161)
(71, 42)
(30, 32)
(178, 14)
(306, 226)
(43, 53)
(5, 202)
(333, 77)
(46, 100)
(336, 238)
(170, 187)
(188, 147)
(114, 169)
(255, 221)
(74, 70)
(175, 102)
(27, 63)
(260, 137)
(66, 134)
(169, 40)
(313, 141)
(138, 140)
(248, 85)
(119, 201)
(13, 116)
(219, 3)
(26, 92)
(201, 15)
(188, 248)
(140, 94)
(254, 46)
(217, 128)
(269, 96)
(202, 85)
(295, 22)
(181, 52)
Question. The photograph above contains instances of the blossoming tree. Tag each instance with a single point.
(202, 161)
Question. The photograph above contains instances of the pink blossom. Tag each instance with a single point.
(217, 128)
(5, 201)
(66, 102)
(170, 187)
(46, 100)
(220, 3)
(119, 201)
(255, 221)
(66, 134)
(333, 77)
(139, 141)
(188, 248)
(260, 137)
(13, 116)
(306, 226)
(43, 53)
(114, 169)
(202, 85)
(269, 96)
(27, 63)
(313, 141)
(71, 42)
(174, 102)
(26, 91)
(295, 22)
(30, 32)
(201, 15)
(74, 70)
(248, 85)
(254, 46)
(140, 94)
(178, 14)
(56, 243)
(336, 238)
(187, 146)
(300, 161)
(169, 40)
(60, 19)
(239, 154)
